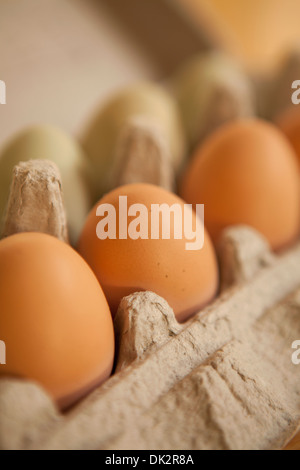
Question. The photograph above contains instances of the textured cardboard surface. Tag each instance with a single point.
(36, 201)
(143, 155)
(224, 380)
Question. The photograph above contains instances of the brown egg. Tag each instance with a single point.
(247, 173)
(187, 279)
(289, 123)
(54, 318)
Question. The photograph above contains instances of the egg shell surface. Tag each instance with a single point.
(54, 318)
(188, 280)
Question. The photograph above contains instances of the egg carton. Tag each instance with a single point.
(223, 380)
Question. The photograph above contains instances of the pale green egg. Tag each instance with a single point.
(145, 100)
(211, 89)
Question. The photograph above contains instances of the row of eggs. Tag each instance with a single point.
(55, 319)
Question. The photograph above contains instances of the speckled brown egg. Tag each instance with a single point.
(187, 279)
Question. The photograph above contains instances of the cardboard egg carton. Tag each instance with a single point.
(223, 380)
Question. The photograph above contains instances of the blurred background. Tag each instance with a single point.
(60, 58)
